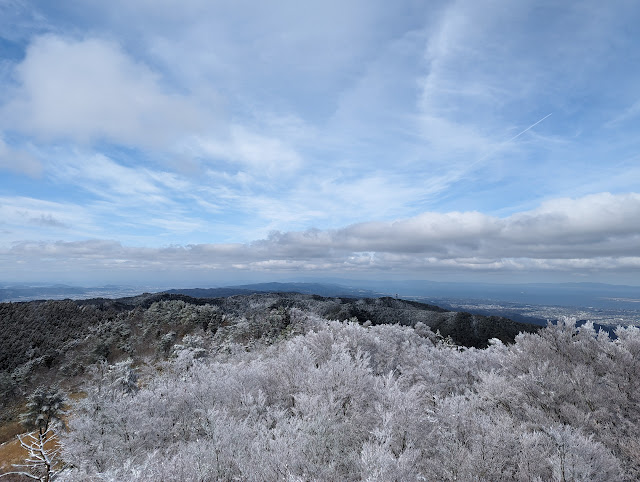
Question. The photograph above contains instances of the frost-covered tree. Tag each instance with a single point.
(331, 400)
(42, 462)
(45, 407)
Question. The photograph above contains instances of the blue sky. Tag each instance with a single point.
(201, 141)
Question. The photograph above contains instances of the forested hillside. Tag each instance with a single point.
(50, 341)
(299, 387)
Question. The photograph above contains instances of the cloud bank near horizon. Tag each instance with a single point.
(590, 234)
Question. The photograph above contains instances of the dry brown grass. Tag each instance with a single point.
(75, 396)
(10, 450)
(13, 453)
(9, 430)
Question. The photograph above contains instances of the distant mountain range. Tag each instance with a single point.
(594, 295)
(321, 289)
(27, 292)
(599, 295)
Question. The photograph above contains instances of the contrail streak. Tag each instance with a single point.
(504, 143)
(528, 128)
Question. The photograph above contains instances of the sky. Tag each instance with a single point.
(199, 142)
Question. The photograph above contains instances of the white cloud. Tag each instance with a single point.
(305, 48)
(265, 154)
(581, 240)
(587, 219)
(101, 174)
(19, 160)
(87, 90)
(26, 217)
(130, 201)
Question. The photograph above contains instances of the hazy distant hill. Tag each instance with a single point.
(20, 293)
(599, 295)
(25, 292)
(596, 295)
(322, 289)
(212, 292)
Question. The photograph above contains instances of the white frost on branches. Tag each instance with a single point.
(42, 462)
(339, 401)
